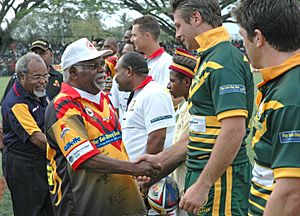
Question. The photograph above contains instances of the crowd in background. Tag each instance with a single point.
(17, 49)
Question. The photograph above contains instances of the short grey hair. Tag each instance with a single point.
(22, 63)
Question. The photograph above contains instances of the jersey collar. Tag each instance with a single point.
(275, 71)
(211, 38)
(157, 53)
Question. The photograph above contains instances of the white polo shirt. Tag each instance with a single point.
(118, 98)
(158, 64)
(150, 109)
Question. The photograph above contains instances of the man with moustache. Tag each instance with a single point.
(24, 155)
(88, 167)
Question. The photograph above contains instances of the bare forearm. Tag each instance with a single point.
(156, 141)
(39, 139)
(285, 198)
(104, 164)
(173, 156)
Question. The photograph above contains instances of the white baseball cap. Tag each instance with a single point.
(81, 50)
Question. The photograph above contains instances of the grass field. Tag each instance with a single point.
(5, 201)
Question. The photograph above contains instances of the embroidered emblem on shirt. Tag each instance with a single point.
(289, 136)
(232, 88)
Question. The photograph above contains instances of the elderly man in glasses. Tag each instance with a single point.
(24, 155)
(88, 167)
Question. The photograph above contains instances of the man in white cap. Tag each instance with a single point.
(87, 162)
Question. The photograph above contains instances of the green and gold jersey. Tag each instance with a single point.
(78, 129)
(276, 133)
(222, 87)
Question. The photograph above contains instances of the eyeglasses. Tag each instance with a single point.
(92, 66)
(38, 77)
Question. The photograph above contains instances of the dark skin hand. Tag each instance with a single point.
(103, 164)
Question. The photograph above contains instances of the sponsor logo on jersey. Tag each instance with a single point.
(289, 136)
(71, 143)
(232, 88)
(64, 131)
(107, 138)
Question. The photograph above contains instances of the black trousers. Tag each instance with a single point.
(26, 179)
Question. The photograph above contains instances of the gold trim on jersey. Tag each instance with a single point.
(203, 140)
(259, 194)
(24, 117)
(201, 149)
(211, 38)
(256, 205)
(273, 72)
(217, 198)
(286, 172)
(228, 190)
(232, 113)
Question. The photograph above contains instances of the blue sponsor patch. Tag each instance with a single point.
(107, 138)
(160, 118)
(232, 88)
(72, 142)
(289, 136)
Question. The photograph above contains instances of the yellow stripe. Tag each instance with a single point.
(259, 133)
(228, 190)
(259, 194)
(286, 173)
(245, 59)
(232, 113)
(204, 156)
(201, 149)
(256, 205)
(187, 70)
(209, 131)
(263, 187)
(210, 64)
(272, 105)
(250, 214)
(195, 87)
(217, 198)
(203, 140)
(57, 182)
(24, 117)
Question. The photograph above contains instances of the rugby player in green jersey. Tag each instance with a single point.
(220, 104)
(271, 32)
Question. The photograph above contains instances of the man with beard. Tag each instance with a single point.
(24, 158)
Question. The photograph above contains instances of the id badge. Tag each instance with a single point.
(197, 124)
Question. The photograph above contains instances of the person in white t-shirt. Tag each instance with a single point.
(144, 35)
(149, 121)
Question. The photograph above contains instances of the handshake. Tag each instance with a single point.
(147, 167)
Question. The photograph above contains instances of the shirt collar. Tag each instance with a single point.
(78, 93)
(211, 38)
(275, 71)
(157, 53)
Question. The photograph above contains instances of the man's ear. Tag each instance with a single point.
(73, 72)
(129, 71)
(187, 82)
(147, 35)
(259, 38)
(196, 18)
(20, 76)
